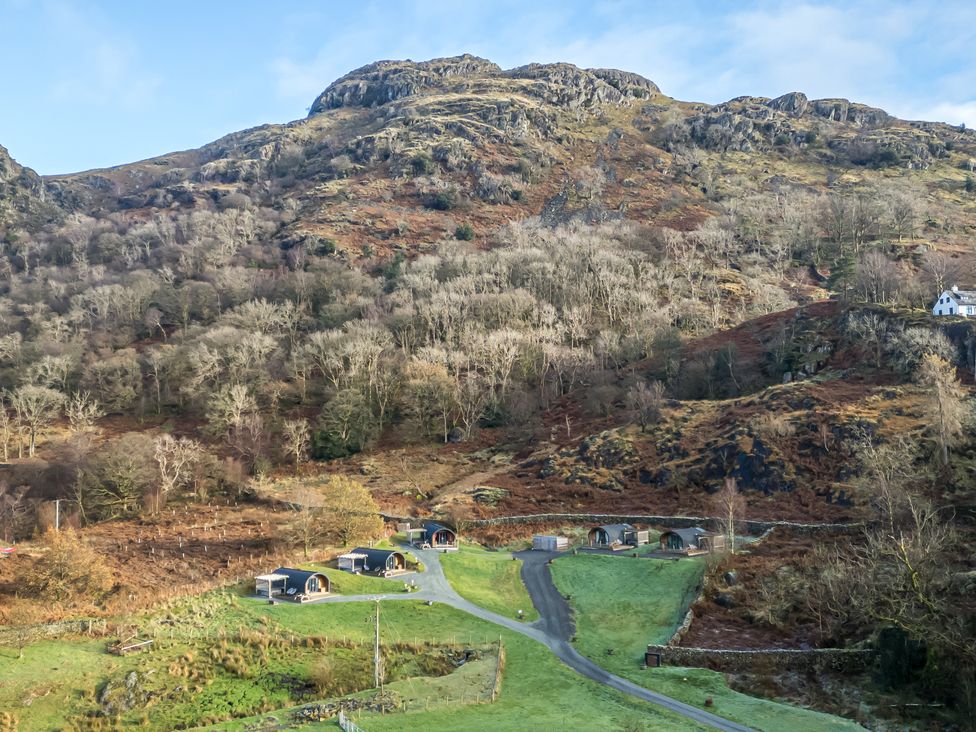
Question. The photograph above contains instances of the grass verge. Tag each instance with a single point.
(491, 580)
(621, 604)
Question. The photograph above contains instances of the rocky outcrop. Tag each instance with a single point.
(569, 86)
(627, 83)
(841, 110)
(23, 195)
(795, 103)
(386, 81)
(561, 84)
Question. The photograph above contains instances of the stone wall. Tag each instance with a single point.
(672, 522)
(841, 660)
(21, 635)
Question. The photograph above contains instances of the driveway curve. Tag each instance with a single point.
(553, 629)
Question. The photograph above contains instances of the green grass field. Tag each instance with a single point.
(346, 583)
(622, 604)
(537, 689)
(198, 675)
(490, 580)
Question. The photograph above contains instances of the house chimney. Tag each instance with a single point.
(955, 288)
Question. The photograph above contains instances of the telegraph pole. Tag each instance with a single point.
(377, 660)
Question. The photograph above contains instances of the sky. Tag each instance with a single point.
(93, 83)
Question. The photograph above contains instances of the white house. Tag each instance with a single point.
(956, 302)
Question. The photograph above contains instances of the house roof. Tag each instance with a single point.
(616, 528)
(688, 536)
(297, 576)
(963, 297)
(375, 557)
(432, 527)
(271, 577)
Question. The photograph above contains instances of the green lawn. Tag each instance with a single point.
(52, 676)
(626, 603)
(489, 579)
(622, 604)
(537, 690)
(347, 583)
(198, 674)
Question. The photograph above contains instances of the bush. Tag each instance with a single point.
(69, 570)
(465, 232)
(772, 426)
(422, 164)
(443, 201)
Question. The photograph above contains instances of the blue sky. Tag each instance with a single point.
(91, 83)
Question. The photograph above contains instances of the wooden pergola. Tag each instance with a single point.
(271, 579)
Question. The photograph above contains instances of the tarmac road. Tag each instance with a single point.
(553, 629)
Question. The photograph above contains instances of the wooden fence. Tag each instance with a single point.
(496, 685)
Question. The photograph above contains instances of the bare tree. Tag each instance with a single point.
(82, 410)
(730, 505)
(946, 407)
(869, 330)
(36, 408)
(307, 526)
(175, 458)
(296, 434)
(645, 401)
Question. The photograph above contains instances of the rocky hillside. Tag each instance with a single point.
(24, 199)
(394, 154)
(513, 247)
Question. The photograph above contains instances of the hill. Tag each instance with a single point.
(487, 292)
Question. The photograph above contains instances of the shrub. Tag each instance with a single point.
(772, 426)
(69, 570)
(443, 201)
(464, 232)
(422, 163)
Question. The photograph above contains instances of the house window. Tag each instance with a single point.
(950, 311)
(940, 300)
(940, 311)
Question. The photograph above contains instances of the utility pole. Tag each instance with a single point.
(377, 661)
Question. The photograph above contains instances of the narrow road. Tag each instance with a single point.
(553, 629)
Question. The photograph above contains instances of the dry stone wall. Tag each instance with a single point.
(842, 660)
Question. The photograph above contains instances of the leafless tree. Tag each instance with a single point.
(297, 435)
(36, 407)
(645, 401)
(175, 458)
(946, 407)
(730, 505)
(82, 410)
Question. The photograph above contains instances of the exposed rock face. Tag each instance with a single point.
(386, 81)
(22, 192)
(561, 84)
(793, 103)
(841, 110)
(570, 86)
(633, 85)
(857, 134)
